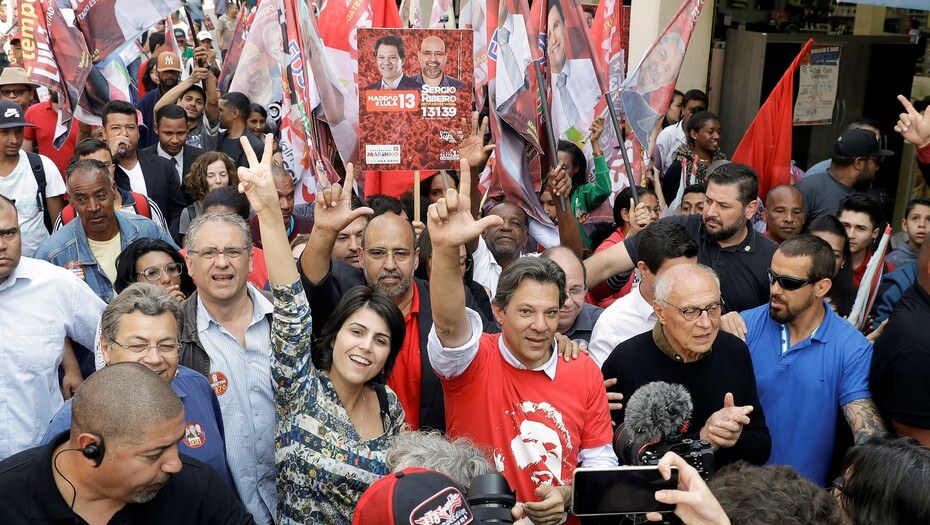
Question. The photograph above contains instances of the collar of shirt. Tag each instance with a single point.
(261, 307)
(50, 505)
(658, 335)
(179, 157)
(393, 84)
(24, 270)
(643, 309)
(414, 303)
(548, 368)
(583, 321)
(821, 334)
(747, 245)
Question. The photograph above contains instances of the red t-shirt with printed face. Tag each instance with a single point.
(534, 426)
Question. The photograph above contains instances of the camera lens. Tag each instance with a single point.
(491, 499)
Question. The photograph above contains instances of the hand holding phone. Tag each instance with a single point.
(694, 503)
(621, 490)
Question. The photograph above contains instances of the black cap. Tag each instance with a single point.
(11, 115)
(859, 143)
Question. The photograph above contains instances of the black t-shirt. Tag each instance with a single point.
(900, 375)
(195, 495)
(727, 368)
(741, 268)
(233, 148)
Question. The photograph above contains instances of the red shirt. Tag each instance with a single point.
(859, 271)
(44, 118)
(602, 295)
(534, 426)
(408, 369)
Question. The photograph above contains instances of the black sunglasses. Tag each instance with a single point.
(788, 283)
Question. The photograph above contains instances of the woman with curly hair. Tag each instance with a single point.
(210, 171)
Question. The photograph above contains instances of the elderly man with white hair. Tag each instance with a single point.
(686, 347)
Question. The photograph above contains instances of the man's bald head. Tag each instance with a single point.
(784, 212)
(120, 402)
(783, 191)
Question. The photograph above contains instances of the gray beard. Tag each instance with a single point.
(389, 290)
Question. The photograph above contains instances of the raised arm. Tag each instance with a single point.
(174, 94)
(609, 262)
(473, 149)
(331, 214)
(451, 225)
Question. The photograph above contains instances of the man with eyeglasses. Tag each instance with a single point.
(226, 337)
(142, 325)
(89, 247)
(857, 156)
(40, 305)
(808, 361)
(686, 347)
(16, 86)
(388, 258)
(576, 317)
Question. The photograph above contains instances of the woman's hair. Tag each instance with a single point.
(843, 291)
(147, 81)
(196, 180)
(258, 108)
(887, 481)
(354, 300)
(697, 122)
(126, 263)
(426, 184)
(622, 202)
(581, 176)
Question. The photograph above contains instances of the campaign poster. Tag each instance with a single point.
(817, 84)
(415, 87)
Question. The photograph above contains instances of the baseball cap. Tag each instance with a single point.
(859, 143)
(179, 34)
(204, 35)
(169, 61)
(413, 495)
(15, 75)
(11, 115)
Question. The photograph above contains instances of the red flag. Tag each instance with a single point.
(473, 15)
(240, 33)
(107, 24)
(55, 55)
(171, 42)
(766, 146)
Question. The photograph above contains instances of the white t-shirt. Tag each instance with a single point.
(136, 180)
(668, 143)
(20, 186)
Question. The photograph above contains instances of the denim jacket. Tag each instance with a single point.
(70, 244)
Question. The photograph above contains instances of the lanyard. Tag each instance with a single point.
(290, 227)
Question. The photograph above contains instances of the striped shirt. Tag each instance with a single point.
(241, 378)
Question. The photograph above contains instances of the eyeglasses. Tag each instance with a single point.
(690, 313)
(577, 291)
(379, 254)
(153, 273)
(788, 283)
(163, 349)
(13, 92)
(213, 253)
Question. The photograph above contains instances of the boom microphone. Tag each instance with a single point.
(654, 412)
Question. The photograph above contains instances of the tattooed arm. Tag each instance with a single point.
(863, 418)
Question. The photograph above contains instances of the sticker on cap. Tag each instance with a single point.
(194, 436)
(219, 382)
(447, 507)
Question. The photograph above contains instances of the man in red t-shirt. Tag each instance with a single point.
(541, 417)
(44, 118)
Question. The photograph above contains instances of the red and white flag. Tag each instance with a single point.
(473, 15)
(55, 55)
(171, 42)
(108, 24)
(258, 69)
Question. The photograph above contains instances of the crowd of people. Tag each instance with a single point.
(183, 344)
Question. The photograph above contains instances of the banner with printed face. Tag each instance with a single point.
(258, 69)
(107, 24)
(415, 87)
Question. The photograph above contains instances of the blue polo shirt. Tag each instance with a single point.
(204, 438)
(802, 389)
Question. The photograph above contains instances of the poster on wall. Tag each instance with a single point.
(415, 88)
(819, 74)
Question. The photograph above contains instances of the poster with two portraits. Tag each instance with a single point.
(415, 87)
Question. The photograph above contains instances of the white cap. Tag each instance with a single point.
(204, 35)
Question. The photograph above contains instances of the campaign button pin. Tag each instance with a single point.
(194, 436)
(219, 382)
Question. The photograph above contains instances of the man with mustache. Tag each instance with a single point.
(388, 258)
(90, 246)
(726, 240)
(500, 245)
(119, 463)
(808, 361)
(432, 58)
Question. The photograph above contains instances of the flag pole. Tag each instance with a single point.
(621, 137)
(550, 132)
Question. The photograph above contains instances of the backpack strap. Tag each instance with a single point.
(38, 170)
(382, 399)
(142, 205)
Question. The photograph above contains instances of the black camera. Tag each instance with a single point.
(491, 499)
(697, 452)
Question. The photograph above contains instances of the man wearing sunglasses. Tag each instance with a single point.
(686, 347)
(808, 361)
(857, 156)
